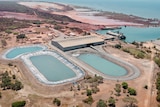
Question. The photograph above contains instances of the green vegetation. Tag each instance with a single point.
(158, 86)
(125, 85)
(14, 7)
(4, 43)
(58, 27)
(10, 64)
(101, 103)
(137, 53)
(95, 79)
(88, 100)
(157, 59)
(6, 81)
(89, 92)
(131, 101)
(111, 102)
(37, 22)
(92, 88)
(9, 24)
(75, 29)
(146, 86)
(118, 89)
(95, 89)
(17, 85)
(57, 102)
(8, 31)
(10, 83)
(21, 36)
(94, 82)
(132, 91)
(14, 76)
(118, 46)
(19, 104)
(15, 33)
(158, 98)
(0, 95)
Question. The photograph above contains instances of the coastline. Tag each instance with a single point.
(85, 15)
(34, 91)
(91, 16)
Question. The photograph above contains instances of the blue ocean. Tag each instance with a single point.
(143, 8)
(139, 34)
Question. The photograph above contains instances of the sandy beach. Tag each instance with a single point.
(82, 15)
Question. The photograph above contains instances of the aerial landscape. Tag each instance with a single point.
(79, 53)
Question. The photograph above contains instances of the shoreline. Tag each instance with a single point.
(91, 16)
(84, 17)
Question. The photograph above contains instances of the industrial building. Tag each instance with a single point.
(72, 43)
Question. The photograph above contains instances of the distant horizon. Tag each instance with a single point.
(129, 7)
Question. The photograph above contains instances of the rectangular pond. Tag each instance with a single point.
(102, 65)
(51, 68)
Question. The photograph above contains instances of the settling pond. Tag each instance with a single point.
(103, 65)
(49, 67)
(108, 66)
(18, 51)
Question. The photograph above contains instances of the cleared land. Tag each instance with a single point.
(37, 94)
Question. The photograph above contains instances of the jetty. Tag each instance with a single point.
(111, 28)
(119, 35)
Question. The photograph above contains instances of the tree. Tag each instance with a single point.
(71, 88)
(140, 55)
(130, 101)
(57, 102)
(6, 81)
(132, 91)
(124, 85)
(21, 36)
(101, 103)
(146, 86)
(0, 95)
(158, 97)
(88, 100)
(19, 104)
(17, 85)
(118, 46)
(118, 89)
(78, 87)
(14, 76)
(89, 92)
(111, 102)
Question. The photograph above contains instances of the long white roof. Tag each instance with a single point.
(76, 41)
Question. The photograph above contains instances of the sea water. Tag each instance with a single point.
(143, 8)
(139, 34)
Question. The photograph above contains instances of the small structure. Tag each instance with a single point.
(119, 35)
(114, 34)
(111, 28)
(67, 44)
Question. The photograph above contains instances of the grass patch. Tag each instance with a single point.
(137, 53)
(157, 60)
